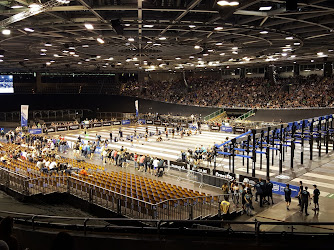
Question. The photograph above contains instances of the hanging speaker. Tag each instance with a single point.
(291, 4)
(116, 24)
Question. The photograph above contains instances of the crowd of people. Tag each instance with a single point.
(311, 91)
(244, 193)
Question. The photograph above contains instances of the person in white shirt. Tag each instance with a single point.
(53, 165)
(155, 164)
(47, 164)
(24, 154)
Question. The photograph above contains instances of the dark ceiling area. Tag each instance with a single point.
(132, 35)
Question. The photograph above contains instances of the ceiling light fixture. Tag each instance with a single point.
(222, 54)
(162, 38)
(263, 32)
(265, 8)
(48, 44)
(289, 38)
(191, 26)
(100, 40)
(44, 50)
(148, 26)
(34, 6)
(6, 32)
(63, 1)
(227, 3)
(29, 30)
(89, 26)
(197, 47)
(218, 28)
(85, 46)
(15, 5)
(131, 39)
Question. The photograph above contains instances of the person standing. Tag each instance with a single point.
(110, 135)
(305, 196)
(248, 202)
(259, 191)
(316, 194)
(225, 190)
(299, 192)
(287, 194)
(269, 191)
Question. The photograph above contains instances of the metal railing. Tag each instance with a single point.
(214, 114)
(182, 208)
(256, 228)
(246, 115)
(199, 178)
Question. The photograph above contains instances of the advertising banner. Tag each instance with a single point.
(157, 122)
(117, 123)
(279, 189)
(35, 131)
(51, 129)
(24, 115)
(136, 106)
(62, 128)
(98, 124)
(215, 128)
(125, 122)
(141, 121)
(226, 129)
(240, 130)
(149, 122)
(73, 127)
(106, 124)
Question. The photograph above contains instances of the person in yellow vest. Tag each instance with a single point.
(225, 206)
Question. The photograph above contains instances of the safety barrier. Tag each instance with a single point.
(214, 114)
(93, 224)
(182, 208)
(200, 176)
(246, 115)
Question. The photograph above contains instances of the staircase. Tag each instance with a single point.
(216, 117)
(246, 115)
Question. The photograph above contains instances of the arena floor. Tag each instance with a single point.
(320, 171)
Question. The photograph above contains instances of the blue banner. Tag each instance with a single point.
(141, 121)
(35, 131)
(226, 129)
(125, 122)
(24, 115)
(279, 189)
(137, 109)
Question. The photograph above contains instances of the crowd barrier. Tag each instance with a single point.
(198, 174)
(181, 209)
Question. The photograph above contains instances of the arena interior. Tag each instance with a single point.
(183, 124)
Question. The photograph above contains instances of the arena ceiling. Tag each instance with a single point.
(162, 34)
